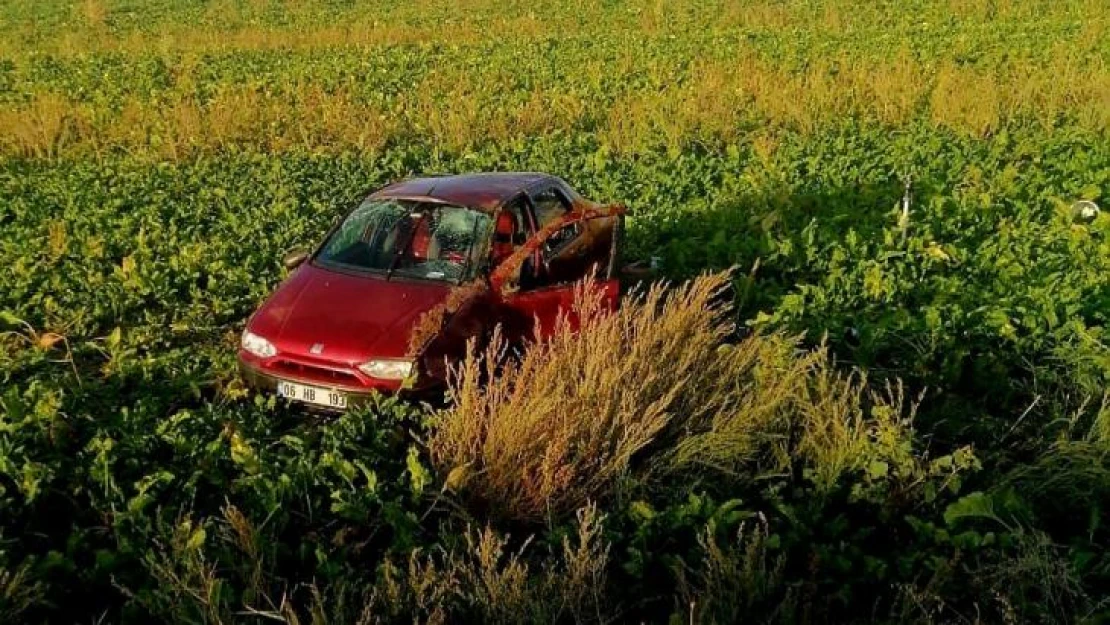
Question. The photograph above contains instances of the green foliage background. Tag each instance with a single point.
(125, 437)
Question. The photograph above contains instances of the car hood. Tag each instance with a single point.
(347, 318)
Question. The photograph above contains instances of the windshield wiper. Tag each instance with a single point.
(408, 241)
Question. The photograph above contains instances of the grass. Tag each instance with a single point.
(18, 592)
(914, 431)
(651, 393)
(936, 63)
(486, 575)
(733, 580)
(714, 101)
(527, 454)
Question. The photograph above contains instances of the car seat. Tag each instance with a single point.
(422, 242)
(503, 243)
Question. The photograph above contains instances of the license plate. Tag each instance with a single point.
(312, 394)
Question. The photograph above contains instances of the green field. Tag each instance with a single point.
(157, 159)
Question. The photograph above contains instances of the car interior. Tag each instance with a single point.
(431, 243)
(565, 256)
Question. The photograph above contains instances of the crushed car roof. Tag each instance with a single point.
(479, 190)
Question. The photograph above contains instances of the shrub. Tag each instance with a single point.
(561, 424)
(735, 579)
(18, 592)
(484, 577)
(650, 393)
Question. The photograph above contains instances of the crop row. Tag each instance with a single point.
(988, 269)
(918, 429)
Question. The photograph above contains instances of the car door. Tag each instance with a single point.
(538, 282)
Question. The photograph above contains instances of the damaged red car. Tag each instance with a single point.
(398, 286)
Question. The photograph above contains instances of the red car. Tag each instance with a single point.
(398, 286)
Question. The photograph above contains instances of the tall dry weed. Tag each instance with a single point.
(562, 424)
(18, 593)
(713, 102)
(40, 128)
(492, 579)
(651, 394)
(731, 581)
(93, 12)
(966, 100)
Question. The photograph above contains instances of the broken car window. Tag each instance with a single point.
(407, 238)
(550, 206)
(574, 251)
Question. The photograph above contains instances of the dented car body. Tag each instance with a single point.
(396, 289)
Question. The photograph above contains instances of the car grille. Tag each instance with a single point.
(317, 374)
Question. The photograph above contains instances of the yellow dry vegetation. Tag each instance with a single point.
(719, 102)
(649, 392)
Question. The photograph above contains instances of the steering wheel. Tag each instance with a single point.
(545, 253)
(545, 261)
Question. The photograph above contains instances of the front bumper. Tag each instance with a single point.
(265, 382)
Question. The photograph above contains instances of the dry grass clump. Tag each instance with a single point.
(736, 579)
(18, 593)
(485, 577)
(488, 580)
(235, 117)
(650, 393)
(39, 129)
(966, 100)
(561, 425)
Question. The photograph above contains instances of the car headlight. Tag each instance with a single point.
(387, 369)
(257, 345)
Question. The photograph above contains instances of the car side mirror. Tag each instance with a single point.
(294, 259)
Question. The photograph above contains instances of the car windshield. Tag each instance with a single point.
(408, 238)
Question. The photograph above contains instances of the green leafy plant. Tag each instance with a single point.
(894, 184)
